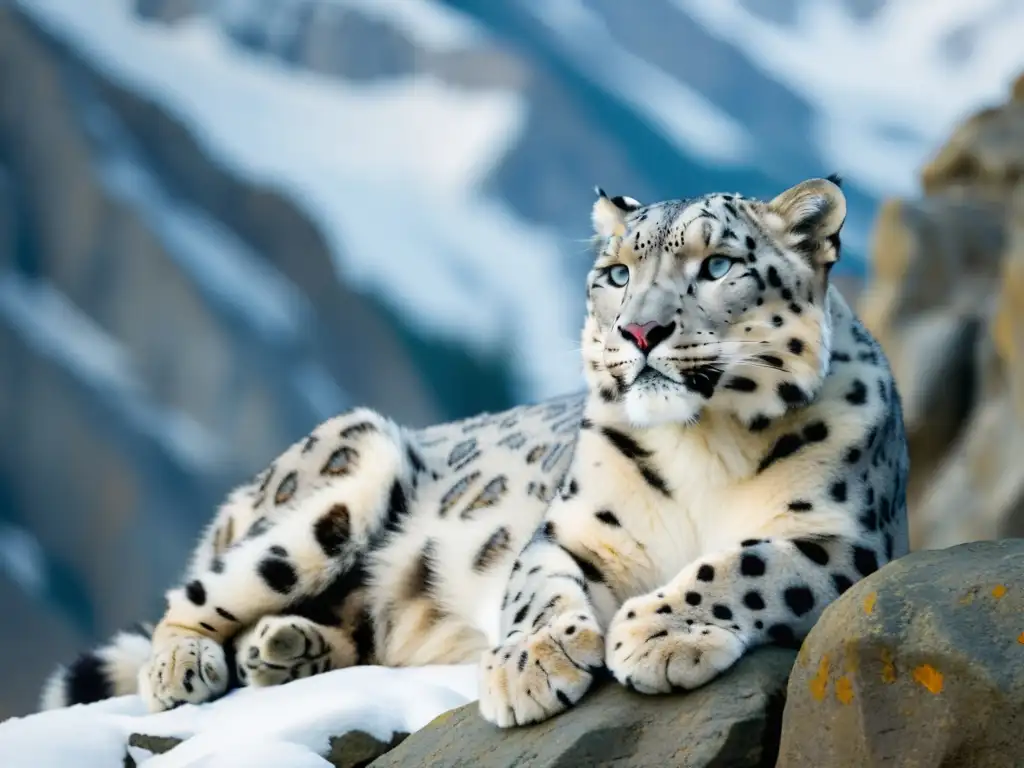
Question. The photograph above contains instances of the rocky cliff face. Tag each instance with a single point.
(946, 299)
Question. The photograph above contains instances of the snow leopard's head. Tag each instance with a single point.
(711, 303)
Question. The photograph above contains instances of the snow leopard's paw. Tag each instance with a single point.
(185, 667)
(279, 649)
(535, 676)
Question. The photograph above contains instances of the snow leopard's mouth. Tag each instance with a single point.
(650, 376)
(702, 380)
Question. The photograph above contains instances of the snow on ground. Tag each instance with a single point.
(391, 172)
(887, 90)
(290, 725)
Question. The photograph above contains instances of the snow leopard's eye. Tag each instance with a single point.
(618, 275)
(715, 267)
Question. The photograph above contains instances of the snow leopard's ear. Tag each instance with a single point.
(810, 216)
(609, 213)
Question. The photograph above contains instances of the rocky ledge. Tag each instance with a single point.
(920, 664)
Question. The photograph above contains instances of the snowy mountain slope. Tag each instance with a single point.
(291, 130)
(790, 88)
(888, 82)
(872, 115)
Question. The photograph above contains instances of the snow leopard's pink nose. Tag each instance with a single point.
(646, 336)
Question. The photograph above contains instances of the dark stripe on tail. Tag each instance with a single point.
(86, 680)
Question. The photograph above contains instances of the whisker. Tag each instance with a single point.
(759, 364)
(716, 344)
(739, 343)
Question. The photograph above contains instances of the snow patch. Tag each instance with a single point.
(288, 725)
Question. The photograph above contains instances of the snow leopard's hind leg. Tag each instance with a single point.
(327, 501)
(112, 668)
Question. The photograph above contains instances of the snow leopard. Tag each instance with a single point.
(736, 461)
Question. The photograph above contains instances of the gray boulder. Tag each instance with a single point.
(920, 664)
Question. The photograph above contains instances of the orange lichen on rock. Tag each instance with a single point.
(869, 603)
(819, 683)
(929, 677)
(844, 690)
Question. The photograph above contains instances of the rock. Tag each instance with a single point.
(978, 493)
(920, 664)
(1018, 89)
(155, 745)
(935, 267)
(983, 157)
(945, 300)
(732, 722)
(934, 270)
(983, 473)
(8, 223)
(354, 749)
(168, 11)
(1008, 321)
(357, 748)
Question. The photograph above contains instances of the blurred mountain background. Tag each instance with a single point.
(222, 221)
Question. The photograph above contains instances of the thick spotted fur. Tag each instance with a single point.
(737, 462)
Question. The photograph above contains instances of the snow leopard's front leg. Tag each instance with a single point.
(345, 483)
(553, 641)
(767, 590)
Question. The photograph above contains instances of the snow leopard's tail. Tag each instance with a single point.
(110, 670)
